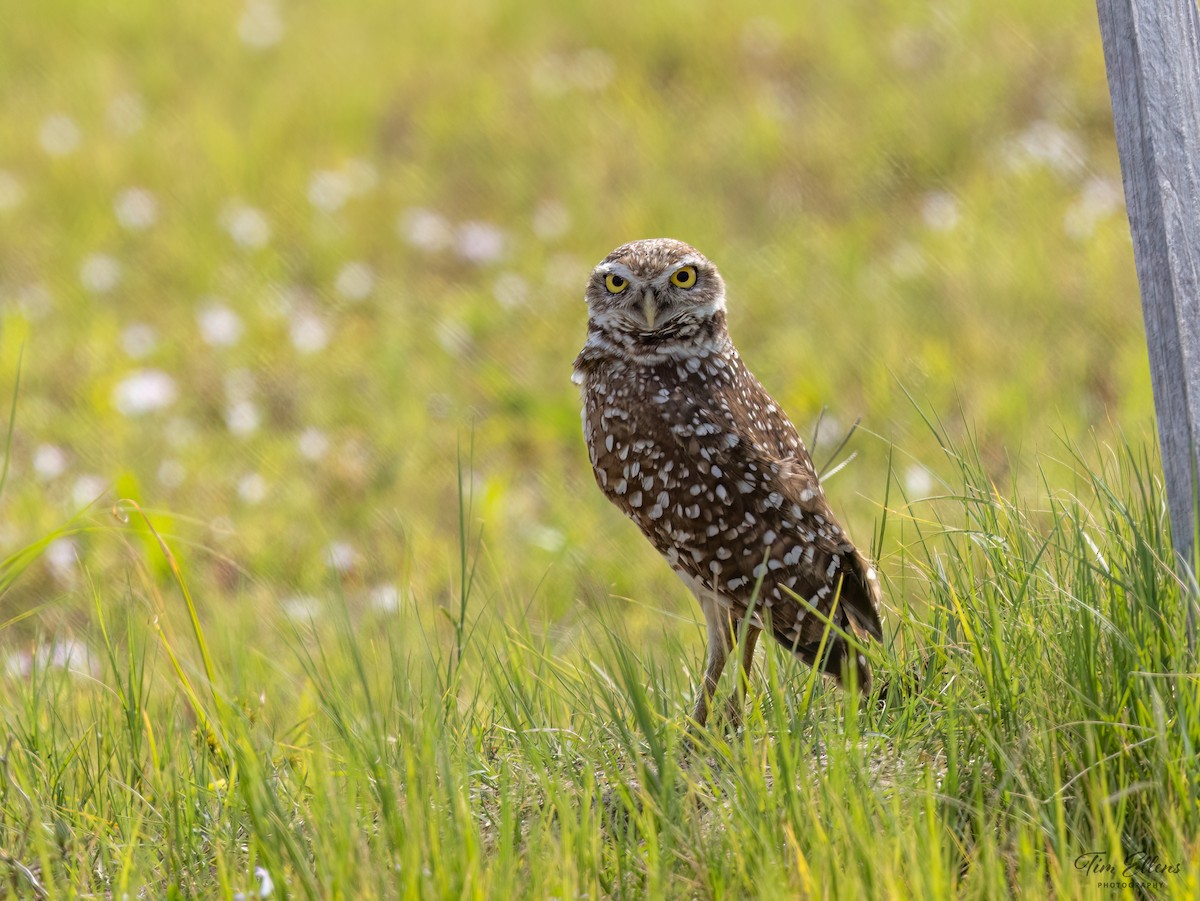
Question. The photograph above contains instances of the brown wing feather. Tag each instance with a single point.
(754, 445)
(717, 478)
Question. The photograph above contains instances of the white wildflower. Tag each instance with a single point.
(479, 242)
(219, 325)
(61, 555)
(144, 391)
(425, 229)
(385, 598)
(1048, 144)
(1100, 198)
(71, 655)
(243, 418)
(547, 538)
(59, 135)
(313, 444)
(918, 482)
(49, 462)
(136, 209)
(64, 653)
(939, 209)
(99, 273)
(355, 281)
(252, 488)
(301, 607)
(261, 24)
(265, 885)
(247, 225)
(328, 190)
(18, 664)
(87, 489)
(308, 332)
(341, 556)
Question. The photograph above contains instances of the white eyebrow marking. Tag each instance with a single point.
(615, 268)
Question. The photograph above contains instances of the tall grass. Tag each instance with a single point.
(1039, 726)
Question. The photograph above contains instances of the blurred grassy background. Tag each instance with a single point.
(272, 264)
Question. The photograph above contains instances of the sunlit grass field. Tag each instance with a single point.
(303, 566)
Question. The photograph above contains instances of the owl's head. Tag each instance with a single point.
(656, 289)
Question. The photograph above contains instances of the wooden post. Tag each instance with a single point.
(1152, 54)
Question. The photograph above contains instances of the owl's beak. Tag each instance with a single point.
(649, 308)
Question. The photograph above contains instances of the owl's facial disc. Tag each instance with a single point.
(654, 290)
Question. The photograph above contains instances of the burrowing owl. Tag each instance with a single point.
(687, 443)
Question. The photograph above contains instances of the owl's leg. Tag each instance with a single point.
(720, 634)
(737, 701)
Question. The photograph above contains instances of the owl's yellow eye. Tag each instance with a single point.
(685, 277)
(615, 283)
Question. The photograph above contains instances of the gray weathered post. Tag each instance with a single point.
(1152, 54)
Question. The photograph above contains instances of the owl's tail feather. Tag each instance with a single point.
(840, 661)
(858, 598)
(857, 614)
(848, 660)
(861, 596)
